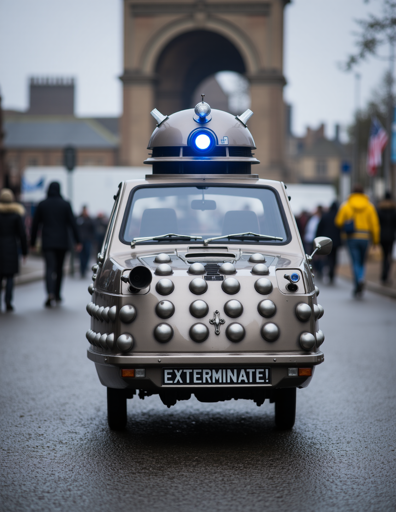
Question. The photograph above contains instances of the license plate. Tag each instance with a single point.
(211, 376)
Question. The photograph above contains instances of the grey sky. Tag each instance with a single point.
(83, 38)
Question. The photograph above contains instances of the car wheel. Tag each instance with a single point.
(285, 408)
(116, 408)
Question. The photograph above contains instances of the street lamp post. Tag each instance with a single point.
(69, 161)
(356, 162)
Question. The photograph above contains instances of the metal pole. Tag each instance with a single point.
(356, 164)
(389, 120)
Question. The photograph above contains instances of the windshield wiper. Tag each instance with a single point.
(243, 236)
(172, 236)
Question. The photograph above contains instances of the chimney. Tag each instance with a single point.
(51, 96)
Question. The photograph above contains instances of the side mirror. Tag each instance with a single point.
(322, 245)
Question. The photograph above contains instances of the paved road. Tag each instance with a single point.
(58, 454)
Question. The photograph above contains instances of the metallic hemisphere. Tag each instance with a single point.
(320, 337)
(163, 270)
(270, 332)
(113, 313)
(307, 341)
(317, 291)
(196, 269)
(235, 332)
(260, 269)
(165, 287)
(165, 309)
(95, 268)
(110, 341)
(88, 335)
(103, 340)
(199, 308)
(163, 333)
(199, 333)
(316, 311)
(88, 308)
(321, 311)
(227, 269)
(257, 258)
(91, 288)
(127, 314)
(96, 340)
(94, 276)
(124, 342)
(105, 314)
(231, 286)
(198, 286)
(162, 258)
(233, 308)
(266, 308)
(303, 312)
(95, 311)
(100, 313)
(263, 286)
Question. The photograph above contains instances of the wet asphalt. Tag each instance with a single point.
(57, 452)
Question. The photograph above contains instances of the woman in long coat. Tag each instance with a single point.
(12, 230)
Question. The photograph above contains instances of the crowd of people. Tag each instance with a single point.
(356, 223)
(55, 225)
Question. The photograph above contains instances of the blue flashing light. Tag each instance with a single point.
(202, 141)
(295, 277)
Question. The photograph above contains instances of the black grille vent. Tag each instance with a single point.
(166, 151)
(212, 269)
(216, 151)
(240, 151)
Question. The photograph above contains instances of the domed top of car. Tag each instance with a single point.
(182, 142)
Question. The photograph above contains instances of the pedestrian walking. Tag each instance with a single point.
(12, 233)
(387, 217)
(101, 222)
(55, 218)
(310, 233)
(327, 227)
(358, 218)
(86, 228)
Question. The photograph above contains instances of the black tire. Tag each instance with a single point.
(116, 408)
(285, 408)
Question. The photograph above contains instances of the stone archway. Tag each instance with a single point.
(202, 53)
(171, 47)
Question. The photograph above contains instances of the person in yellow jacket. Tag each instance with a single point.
(358, 218)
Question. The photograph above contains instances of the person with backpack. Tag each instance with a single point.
(358, 219)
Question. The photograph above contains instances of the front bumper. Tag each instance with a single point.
(109, 367)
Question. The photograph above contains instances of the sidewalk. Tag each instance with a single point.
(373, 274)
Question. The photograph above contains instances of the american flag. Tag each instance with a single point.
(377, 141)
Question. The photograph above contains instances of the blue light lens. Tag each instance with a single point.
(202, 141)
(295, 278)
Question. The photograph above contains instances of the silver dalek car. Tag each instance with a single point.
(202, 286)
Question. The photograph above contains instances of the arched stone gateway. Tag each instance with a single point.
(170, 47)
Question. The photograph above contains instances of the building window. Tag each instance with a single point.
(321, 167)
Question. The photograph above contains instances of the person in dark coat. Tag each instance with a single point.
(12, 231)
(327, 227)
(54, 215)
(387, 218)
(86, 228)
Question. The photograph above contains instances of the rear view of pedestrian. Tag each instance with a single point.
(387, 218)
(358, 218)
(86, 228)
(55, 218)
(12, 231)
(327, 227)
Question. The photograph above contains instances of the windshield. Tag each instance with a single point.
(207, 211)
